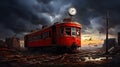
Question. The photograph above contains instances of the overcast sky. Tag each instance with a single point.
(22, 16)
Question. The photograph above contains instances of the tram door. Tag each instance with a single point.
(53, 35)
(26, 40)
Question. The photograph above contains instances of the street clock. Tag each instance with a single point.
(72, 11)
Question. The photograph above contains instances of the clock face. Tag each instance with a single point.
(72, 11)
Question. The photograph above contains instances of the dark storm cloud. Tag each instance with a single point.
(20, 16)
(44, 1)
(92, 14)
(102, 6)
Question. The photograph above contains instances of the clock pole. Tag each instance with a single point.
(72, 11)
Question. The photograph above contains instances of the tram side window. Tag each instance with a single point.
(30, 39)
(73, 31)
(49, 33)
(78, 31)
(68, 31)
(46, 35)
(39, 37)
(62, 31)
(35, 37)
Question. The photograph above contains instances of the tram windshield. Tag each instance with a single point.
(73, 31)
(70, 31)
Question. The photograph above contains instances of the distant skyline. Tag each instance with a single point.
(21, 16)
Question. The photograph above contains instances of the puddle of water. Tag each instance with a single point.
(96, 59)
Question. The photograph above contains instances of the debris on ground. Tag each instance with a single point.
(14, 58)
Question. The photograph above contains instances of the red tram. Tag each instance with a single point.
(59, 35)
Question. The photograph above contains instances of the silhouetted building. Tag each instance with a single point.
(8, 41)
(2, 44)
(16, 42)
(111, 43)
(13, 42)
(119, 38)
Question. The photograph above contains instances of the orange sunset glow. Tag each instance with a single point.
(93, 40)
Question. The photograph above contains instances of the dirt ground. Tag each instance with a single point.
(81, 58)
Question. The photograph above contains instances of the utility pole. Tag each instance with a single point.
(107, 26)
